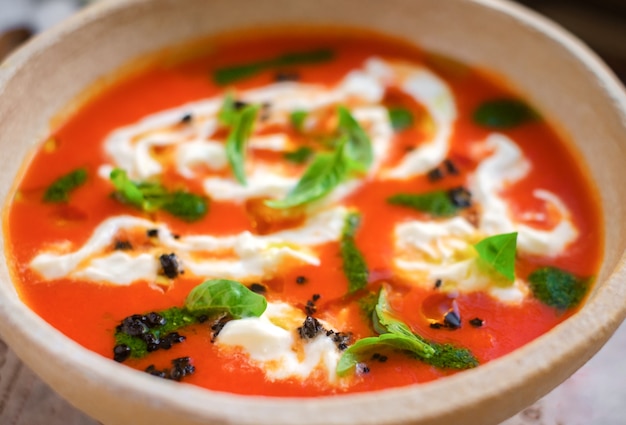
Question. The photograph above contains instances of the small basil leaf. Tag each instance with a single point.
(300, 155)
(358, 146)
(558, 288)
(354, 266)
(499, 252)
(150, 197)
(437, 203)
(228, 112)
(232, 74)
(237, 141)
(503, 114)
(363, 347)
(297, 119)
(383, 318)
(320, 178)
(401, 118)
(126, 191)
(186, 206)
(59, 190)
(219, 296)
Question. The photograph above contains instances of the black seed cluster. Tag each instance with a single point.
(341, 339)
(379, 357)
(451, 320)
(310, 328)
(460, 197)
(170, 266)
(446, 168)
(310, 307)
(141, 326)
(181, 367)
(476, 322)
(218, 325)
(121, 245)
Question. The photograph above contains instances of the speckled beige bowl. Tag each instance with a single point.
(561, 76)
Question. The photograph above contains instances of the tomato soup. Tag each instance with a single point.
(304, 214)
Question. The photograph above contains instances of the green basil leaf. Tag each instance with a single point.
(384, 320)
(320, 178)
(59, 190)
(300, 155)
(219, 296)
(365, 346)
(504, 114)
(399, 336)
(558, 288)
(174, 318)
(297, 119)
(186, 206)
(401, 118)
(126, 190)
(232, 74)
(150, 197)
(358, 146)
(437, 203)
(237, 141)
(499, 252)
(354, 266)
(228, 112)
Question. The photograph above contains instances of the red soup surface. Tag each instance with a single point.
(360, 187)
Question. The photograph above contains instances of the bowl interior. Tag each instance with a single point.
(558, 74)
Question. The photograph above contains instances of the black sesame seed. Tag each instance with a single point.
(239, 104)
(122, 246)
(438, 283)
(476, 322)
(451, 169)
(121, 352)
(301, 280)
(154, 320)
(362, 368)
(452, 320)
(434, 175)
(310, 328)
(186, 119)
(316, 297)
(258, 288)
(375, 356)
(460, 197)
(155, 372)
(282, 76)
(382, 359)
(169, 265)
(202, 318)
(175, 236)
(133, 326)
(152, 233)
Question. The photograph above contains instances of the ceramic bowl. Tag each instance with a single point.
(560, 75)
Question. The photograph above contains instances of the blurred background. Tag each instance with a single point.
(600, 23)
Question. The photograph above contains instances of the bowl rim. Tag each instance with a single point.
(206, 404)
